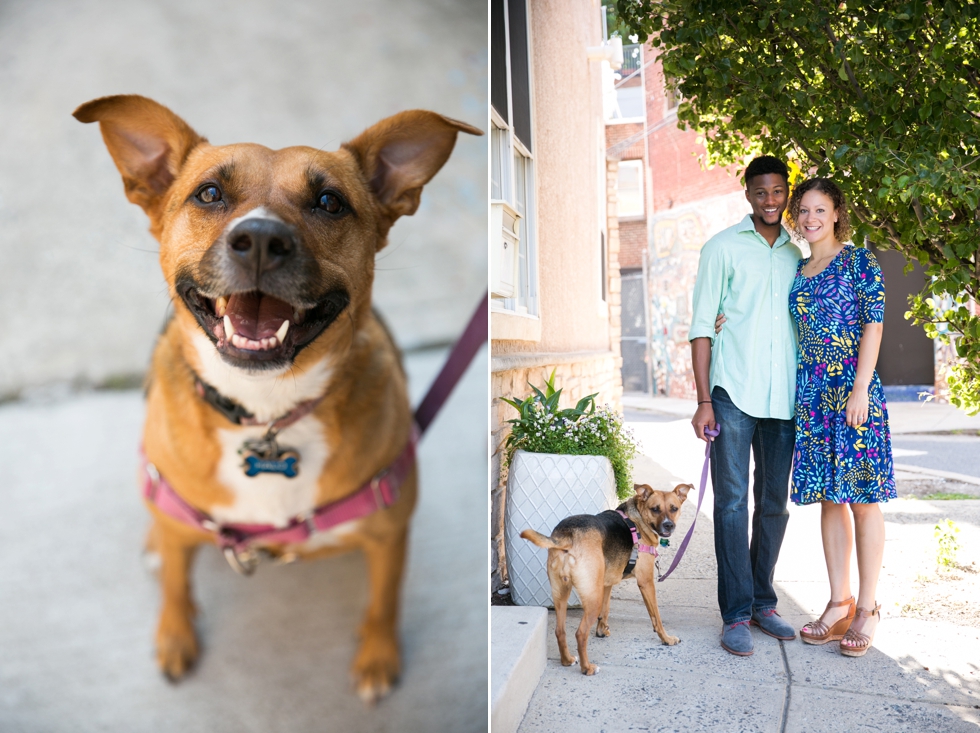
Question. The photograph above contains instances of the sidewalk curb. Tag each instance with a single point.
(518, 654)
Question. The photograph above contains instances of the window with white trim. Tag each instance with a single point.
(630, 189)
(630, 102)
(512, 159)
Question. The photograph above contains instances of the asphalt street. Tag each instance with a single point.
(956, 453)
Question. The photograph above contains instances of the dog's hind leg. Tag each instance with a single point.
(560, 591)
(176, 640)
(591, 605)
(602, 627)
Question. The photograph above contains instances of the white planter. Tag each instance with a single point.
(543, 489)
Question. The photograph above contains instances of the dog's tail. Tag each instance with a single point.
(548, 543)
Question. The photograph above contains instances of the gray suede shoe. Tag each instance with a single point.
(737, 639)
(770, 623)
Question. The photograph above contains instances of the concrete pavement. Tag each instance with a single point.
(78, 611)
(919, 675)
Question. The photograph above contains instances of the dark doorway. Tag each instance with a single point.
(906, 355)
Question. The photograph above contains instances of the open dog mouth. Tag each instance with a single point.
(258, 330)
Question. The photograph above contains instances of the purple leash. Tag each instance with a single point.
(704, 482)
(459, 359)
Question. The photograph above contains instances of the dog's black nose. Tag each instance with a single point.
(667, 526)
(261, 245)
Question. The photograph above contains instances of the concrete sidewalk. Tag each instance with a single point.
(78, 611)
(919, 675)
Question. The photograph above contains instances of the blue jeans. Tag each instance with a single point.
(745, 568)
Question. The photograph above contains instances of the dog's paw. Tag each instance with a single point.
(603, 630)
(568, 661)
(375, 669)
(671, 640)
(591, 669)
(177, 648)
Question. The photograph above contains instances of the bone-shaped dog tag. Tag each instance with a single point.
(285, 464)
(263, 455)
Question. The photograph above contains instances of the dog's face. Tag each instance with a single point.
(660, 509)
(270, 253)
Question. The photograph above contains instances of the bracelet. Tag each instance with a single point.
(704, 402)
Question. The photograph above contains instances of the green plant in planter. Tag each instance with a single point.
(583, 430)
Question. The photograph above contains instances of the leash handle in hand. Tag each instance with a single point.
(704, 483)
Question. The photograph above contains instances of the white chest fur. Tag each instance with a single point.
(271, 498)
(267, 395)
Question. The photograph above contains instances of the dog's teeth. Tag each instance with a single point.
(220, 306)
(281, 333)
(229, 329)
(273, 342)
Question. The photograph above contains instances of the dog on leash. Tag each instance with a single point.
(278, 419)
(592, 553)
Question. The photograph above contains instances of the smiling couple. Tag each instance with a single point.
(790, 377)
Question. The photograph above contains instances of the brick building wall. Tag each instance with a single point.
(624, 141)
(632, 242)
(675, 155)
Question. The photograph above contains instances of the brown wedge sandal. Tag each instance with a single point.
(817, 632)
(860, 642)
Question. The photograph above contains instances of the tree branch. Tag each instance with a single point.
(847, 66)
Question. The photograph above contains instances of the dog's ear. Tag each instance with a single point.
(401, 154)
(643, 491)
(147, 141)
(683, 489)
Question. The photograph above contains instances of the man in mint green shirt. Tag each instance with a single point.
(746, 381)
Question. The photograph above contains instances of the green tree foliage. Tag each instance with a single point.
(884, 97)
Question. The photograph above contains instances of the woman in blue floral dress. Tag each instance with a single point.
(843, 455)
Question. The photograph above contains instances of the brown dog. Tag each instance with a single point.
(276, 400)
(591, 553)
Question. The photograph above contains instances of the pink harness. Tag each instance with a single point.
(649, 549)
(241, 542)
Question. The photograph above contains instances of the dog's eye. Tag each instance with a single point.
(673, 508)
(656, 510)
(331, 203)
(209, 194)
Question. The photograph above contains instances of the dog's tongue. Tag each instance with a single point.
(257, 316)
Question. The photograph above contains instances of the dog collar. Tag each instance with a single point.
(236, 413)
(638, 546)
(241, 543)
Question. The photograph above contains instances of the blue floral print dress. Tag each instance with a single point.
(834, 462)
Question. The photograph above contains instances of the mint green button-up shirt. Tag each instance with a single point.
(754, 356)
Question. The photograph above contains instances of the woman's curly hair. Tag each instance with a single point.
(842, 227)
